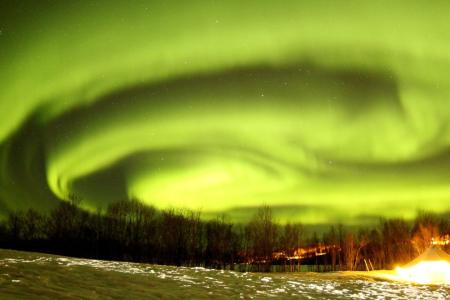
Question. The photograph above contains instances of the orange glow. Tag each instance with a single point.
(426, 272)
(441, 241)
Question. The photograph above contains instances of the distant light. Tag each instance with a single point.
(441, 241)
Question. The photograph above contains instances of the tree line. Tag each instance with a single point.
(130, 231)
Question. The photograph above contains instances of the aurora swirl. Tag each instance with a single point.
(327, 112)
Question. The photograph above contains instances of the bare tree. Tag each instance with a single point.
(349, 251)
(426, 227)
(263, 234)
(290, 241)
(331, 239)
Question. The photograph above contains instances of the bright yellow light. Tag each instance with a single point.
(426, 272)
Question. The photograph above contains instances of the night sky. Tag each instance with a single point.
(327, 111)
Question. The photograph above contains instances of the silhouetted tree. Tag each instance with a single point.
(396, 242)
(263, 235)
(331, 239)
(220, 243)
(34, 225)
(425, 228)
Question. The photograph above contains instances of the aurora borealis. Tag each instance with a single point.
(327, 112)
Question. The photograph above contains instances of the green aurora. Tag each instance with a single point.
(327, 111)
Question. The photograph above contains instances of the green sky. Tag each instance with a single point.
(327, 111)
